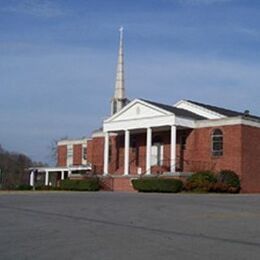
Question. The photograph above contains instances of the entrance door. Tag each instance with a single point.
(157, 154)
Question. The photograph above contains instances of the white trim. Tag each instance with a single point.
(144, 123)
(46, 178)
(127, 145)
(72, 141)
(141, 123)
(199, 110)
(70, 154)
(59, 169)
(185, 122)
(32, 178)
(132, 103)
(149, 134)
(101, 134)
(173, 148)
(165, 119)
(226, 121)
(106, 153)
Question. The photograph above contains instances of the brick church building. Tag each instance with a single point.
(143, 137)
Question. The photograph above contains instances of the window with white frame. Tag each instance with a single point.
(217, 142)
(84, 152)
(69, 154)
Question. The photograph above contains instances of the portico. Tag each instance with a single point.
(65, 172)
(148, 118)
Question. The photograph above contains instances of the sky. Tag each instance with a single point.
(58, 62)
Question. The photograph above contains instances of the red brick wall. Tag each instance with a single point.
(95, 153)
(77, 154)
(198, 153)
(116, 184)
(62, 155)
(241, 145)
(250, 159)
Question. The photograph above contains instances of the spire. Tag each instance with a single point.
(119, 100)
(120, 81)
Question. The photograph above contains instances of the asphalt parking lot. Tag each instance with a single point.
(106, 225)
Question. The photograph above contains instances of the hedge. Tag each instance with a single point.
(157, 185)
(201, 182)
(46, 188)
(80, 185)
(227, 181)
(23, 187)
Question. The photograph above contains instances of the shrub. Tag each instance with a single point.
(80, 185)
(227, 181)
(157, 185)
(23, 187)
(220, 187)
(46, 188)
(201, 182)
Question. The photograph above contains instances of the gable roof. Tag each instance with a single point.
(224, 111)
(177, 111)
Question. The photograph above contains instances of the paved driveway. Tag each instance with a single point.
(123, 226)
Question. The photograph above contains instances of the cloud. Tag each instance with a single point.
(247, 31)
(210, 79)
(40, 8)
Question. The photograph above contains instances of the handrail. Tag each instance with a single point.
(188, 162)
(163, 163)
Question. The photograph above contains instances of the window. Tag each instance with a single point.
(84, 152)
(70, 151)
(217, 143)
(69, 154)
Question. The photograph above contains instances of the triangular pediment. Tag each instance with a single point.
(199, 110)
(138, 109)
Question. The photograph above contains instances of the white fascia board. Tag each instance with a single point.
(72, 141)
(199, 110)
(139, 123)
(226, 122)
(148, 122)
(184, 122)
(132, 103)
(102, 134)
(60, 169)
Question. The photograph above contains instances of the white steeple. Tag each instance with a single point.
(120, 81)
(119, 100)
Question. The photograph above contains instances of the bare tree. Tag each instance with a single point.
(14, 167)
(53, 148)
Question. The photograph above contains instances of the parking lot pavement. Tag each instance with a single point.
(106, 225)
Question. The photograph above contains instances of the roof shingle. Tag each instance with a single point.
(224, 111)
(177, 111)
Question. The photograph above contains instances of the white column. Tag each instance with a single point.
(69, 173)
(173, 148)
(32, 178)
(148, 150)
(106, 153)
(127, 144)
(62, 175)
(46, 178)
